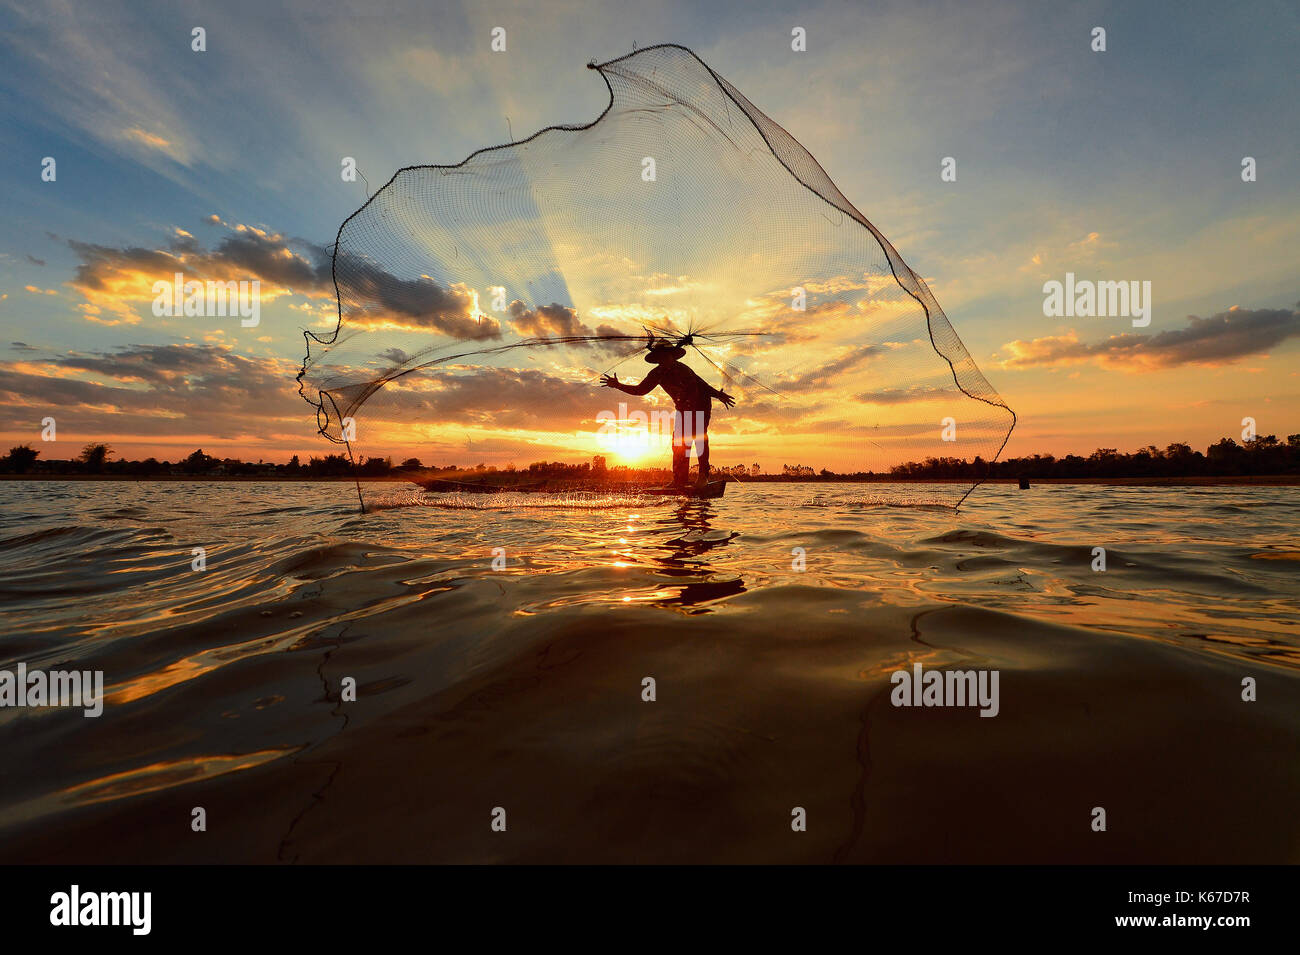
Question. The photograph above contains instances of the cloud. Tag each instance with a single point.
(80, 66)
(560, 321)
(903, 396)
(546, 321)
(181, 390)
(1089, 251)
(120, 280)
(374, 298)
(34, 260)
(824, 375)
(148, 139)
(1087, 247)
(155, 390)
(1221, 339)
(525, 398)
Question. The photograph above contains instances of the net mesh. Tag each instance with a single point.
(479, 304)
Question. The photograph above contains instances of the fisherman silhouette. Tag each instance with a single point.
(692, 397)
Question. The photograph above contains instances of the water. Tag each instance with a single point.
(770, 621)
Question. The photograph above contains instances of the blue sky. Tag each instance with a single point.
(1117, 165)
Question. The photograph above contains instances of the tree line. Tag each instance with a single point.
(1264, 455)
(1225, 458)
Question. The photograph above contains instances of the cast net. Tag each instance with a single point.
(479, 305)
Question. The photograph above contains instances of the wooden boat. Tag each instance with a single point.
(713, 489)
(709, 491)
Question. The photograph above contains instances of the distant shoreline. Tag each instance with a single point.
(1232, 480)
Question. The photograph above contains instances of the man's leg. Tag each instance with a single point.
(681, 443)
(702, 444)
(681, 463)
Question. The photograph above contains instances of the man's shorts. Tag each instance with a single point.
(691, 431)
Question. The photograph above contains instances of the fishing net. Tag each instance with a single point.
(479, 304)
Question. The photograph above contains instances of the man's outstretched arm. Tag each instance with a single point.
(722, 396)
(647, 383)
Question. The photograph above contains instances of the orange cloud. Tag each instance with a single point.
(1221, 339)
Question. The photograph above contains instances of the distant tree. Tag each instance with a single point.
(412, 463)
(1225, 455)
(198, 463)
(1179, 458)
(332, 465)
(21, 458)
(93, 457)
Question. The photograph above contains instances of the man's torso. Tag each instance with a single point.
(687, 389)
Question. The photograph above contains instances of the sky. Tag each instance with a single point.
(1116, 165)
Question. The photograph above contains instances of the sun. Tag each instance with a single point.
(629, 444)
